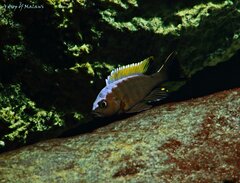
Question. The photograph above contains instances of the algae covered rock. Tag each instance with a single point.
(203, 34)
(57, 51)
(192, 141)
(20, 118)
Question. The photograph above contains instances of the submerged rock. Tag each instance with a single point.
(61, 50)
(195, 140)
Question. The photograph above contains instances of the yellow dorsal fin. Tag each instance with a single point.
(128, 70)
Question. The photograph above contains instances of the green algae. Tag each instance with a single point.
(121, 4)
(205, 19)
(193, 17)
(79, 50)
(20, 117)
(12, 36)
(67, 50)
(86, 66)
(189, 18)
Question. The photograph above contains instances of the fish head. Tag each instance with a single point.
(106, 104)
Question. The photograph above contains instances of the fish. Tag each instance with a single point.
(130, 90)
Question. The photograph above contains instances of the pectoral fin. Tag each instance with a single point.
(139, 107)
(156, 95)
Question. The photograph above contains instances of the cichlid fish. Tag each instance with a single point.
(129, 90)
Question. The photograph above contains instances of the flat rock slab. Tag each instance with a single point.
(192, 141)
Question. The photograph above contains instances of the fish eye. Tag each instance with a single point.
(102, 104)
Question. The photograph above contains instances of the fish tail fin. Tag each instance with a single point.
(162, 74)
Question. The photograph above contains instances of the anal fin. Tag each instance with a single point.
(156, 95)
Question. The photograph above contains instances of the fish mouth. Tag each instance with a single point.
(96, 114)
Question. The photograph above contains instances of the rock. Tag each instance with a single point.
(191, 141)
(57, 53)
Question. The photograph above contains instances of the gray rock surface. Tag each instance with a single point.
(191, 141)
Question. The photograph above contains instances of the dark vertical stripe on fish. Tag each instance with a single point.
(132, 90)
(126, 90)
